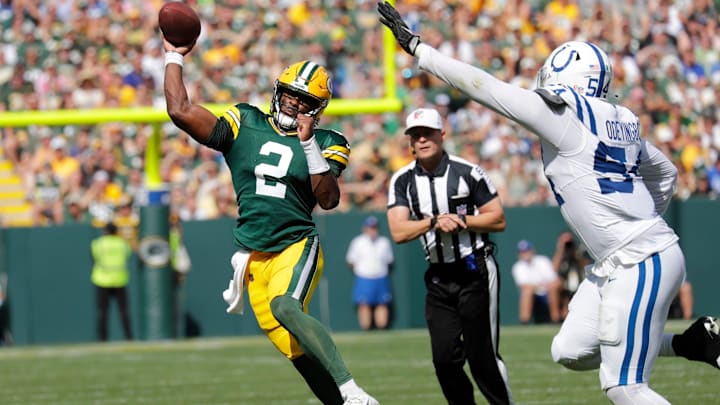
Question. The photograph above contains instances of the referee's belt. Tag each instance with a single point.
(483, 253)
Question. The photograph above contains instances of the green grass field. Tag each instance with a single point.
(394, 366)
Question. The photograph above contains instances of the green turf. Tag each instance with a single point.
(394, 366)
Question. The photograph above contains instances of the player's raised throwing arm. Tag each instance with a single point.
(194, 119)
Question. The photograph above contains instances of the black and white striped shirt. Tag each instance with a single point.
(456, 186)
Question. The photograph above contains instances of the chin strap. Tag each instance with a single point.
(284, 121)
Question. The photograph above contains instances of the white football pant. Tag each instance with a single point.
(616, 323)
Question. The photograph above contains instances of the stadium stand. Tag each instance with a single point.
(106, 53)
(14, 208)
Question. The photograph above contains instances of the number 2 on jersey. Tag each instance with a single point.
(264, 184)
(611, 159)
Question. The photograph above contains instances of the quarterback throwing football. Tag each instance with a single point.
(612, 187)
(281, 166)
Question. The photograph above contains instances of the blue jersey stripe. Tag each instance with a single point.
(579, 101)
(558, 197)
(657, 274)
(630, 345)
(591, 117)
(602, 68)
(578, 105)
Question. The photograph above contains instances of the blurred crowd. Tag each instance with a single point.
(82, 54)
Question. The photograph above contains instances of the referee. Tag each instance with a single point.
(451, 205)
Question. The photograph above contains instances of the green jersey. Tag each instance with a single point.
(270, 176)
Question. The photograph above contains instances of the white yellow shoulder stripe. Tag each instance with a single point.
(232, 116)
(337, 153)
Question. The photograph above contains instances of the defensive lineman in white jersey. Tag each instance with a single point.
(612, 188)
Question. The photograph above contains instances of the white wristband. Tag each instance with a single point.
(316, 162)
(173, 57)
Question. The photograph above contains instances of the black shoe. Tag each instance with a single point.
(700, 342)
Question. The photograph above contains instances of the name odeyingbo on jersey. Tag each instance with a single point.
(623, 131)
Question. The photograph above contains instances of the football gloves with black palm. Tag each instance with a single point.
(389, 16)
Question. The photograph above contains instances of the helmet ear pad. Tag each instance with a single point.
(582, 66)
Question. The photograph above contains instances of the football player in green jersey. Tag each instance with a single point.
(281, 167)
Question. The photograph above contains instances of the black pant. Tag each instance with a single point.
(461, 309)
(103, 305)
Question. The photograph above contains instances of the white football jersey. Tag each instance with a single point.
(611, 185)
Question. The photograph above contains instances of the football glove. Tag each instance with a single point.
(389, 16)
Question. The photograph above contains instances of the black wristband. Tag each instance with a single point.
(433, 222)
(462, 218)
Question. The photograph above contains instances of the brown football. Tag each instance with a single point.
(179, 23)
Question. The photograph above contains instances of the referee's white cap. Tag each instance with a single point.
(423, 117)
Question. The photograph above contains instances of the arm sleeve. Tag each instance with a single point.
(221, 138)
(659, 175)
(523, 106)
(227, 128)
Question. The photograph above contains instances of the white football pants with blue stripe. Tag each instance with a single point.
(616, 323)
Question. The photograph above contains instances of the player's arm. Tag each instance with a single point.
(324, 183)
(659, 175)
(194, 119)
(523, 106)
(326, 190)
(518, 104)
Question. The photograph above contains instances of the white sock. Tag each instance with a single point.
(350, 388)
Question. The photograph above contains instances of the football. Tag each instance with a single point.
(179, 23)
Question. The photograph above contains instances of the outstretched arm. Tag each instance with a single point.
(518, 104)
(194, 119)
